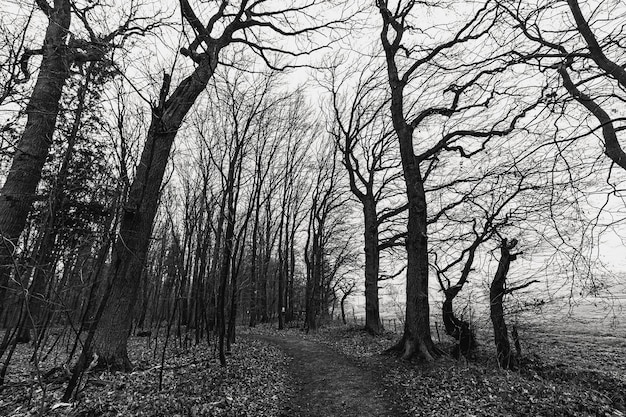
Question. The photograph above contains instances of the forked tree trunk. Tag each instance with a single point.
(416, 339)
(18, 191)
(343, 308)
(506, 358)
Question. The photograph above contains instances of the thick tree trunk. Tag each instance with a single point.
(416, 338)
(46, 259)
(18, 191)
(457, 328)
(129, 251)
(372, 262)
(506, 358)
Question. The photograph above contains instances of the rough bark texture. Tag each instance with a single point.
(372, 267)
(18, 191)
(506, 358)
(416, 339)
(129, 251)
(46, 257)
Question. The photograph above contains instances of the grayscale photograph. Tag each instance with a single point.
(312, 208)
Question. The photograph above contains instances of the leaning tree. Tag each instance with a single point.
(62, 51)
(268, 31)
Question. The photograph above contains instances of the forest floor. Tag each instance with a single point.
(562, 375)
(339, 371)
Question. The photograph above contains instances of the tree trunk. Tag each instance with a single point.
(506, 359)
(292, 272)
(313, 277)
(254, 297)
(343, 308)
(372, 262)
(46, 259)
(282, 267)
(129, 251)
(18, 191)
(223, 282)
(416, 338)
(457, 328)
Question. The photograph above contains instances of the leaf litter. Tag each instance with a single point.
(194, 384)
(561, 376)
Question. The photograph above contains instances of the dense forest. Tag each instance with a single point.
(183, 173)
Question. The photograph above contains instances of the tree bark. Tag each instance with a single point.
(18, 191)
(130, 249)
(45, 255)
(457, 328)
(506, 359)
(372, 267)
(416, 338)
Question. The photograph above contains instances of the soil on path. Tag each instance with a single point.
(328, 384)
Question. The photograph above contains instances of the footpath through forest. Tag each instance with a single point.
(327, 383)
(338, 371)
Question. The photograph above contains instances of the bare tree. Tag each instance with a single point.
(575, 46)
(253, 25)
(60, 53)
(497, 291)
(327, 229)
(365, 139)
(453, 108)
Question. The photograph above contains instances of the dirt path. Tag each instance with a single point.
(328, 384)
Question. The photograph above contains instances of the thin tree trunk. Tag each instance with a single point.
(45, 256)
(223, 281)
(506, 358)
